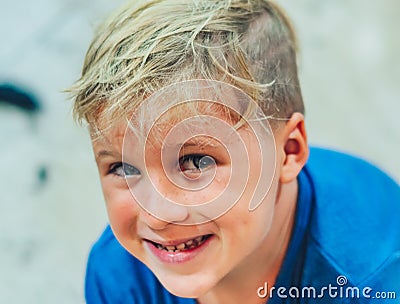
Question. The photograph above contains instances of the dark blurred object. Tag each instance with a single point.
(12, 95)
(42, 174)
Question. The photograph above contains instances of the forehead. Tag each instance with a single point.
(199, 123)
(181, 100)
(186, 109)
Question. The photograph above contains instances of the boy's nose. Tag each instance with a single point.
(159, 211)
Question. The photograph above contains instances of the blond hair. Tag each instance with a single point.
(148, 45)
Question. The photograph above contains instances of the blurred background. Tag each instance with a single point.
(51, 206)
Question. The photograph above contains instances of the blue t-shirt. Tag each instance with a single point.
(344, 247)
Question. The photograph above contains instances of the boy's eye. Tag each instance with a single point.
(123, 169)
(196, 163)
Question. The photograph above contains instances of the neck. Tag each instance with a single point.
(263, 265)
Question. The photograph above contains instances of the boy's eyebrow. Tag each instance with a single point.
(104, 153)
(199, 142)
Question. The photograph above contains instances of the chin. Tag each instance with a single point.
(187, 286)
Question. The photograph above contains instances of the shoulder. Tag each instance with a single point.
(108, 253)
(113, 275)
(343, 178)
(111, 272)
(355, 220)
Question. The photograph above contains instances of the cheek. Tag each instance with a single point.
(122, 210)
(253, 226)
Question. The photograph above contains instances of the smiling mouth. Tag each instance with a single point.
(185, 246)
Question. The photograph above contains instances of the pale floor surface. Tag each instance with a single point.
(350, 76)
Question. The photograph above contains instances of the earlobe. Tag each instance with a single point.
(295, 148)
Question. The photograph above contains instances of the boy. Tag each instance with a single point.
(197, 123)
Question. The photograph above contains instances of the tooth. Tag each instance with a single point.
(198, 239)
(181, 246)
(170, 248)
(189, 243)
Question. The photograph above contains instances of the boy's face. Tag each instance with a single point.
(194, 200)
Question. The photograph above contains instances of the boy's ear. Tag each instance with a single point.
(295, 148)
